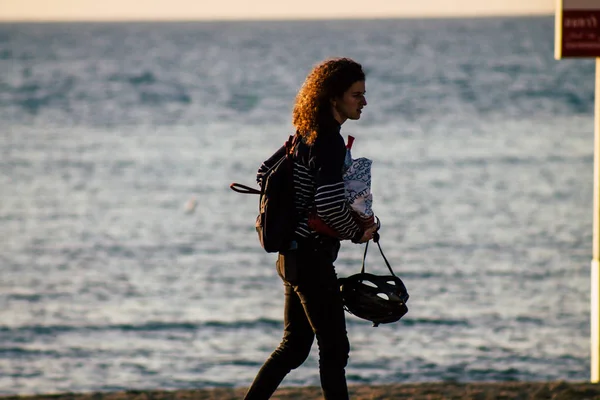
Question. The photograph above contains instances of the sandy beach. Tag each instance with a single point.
(417, 391)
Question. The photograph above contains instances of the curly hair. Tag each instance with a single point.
(326, 81)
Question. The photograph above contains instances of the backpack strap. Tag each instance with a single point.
(238, 187)
(291, 144)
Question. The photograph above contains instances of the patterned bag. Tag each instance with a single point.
(357, 182)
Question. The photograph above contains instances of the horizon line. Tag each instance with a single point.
(277, 19)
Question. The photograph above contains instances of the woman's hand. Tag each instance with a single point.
(369, 232)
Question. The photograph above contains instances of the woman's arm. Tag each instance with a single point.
(330, 198)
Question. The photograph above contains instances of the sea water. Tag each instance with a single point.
(126, 262)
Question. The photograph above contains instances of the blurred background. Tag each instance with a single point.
(127, 263)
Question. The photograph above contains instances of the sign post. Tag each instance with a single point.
(577, 35)
(595, 273)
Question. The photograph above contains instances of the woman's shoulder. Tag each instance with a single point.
(329, 148)
(330, 141)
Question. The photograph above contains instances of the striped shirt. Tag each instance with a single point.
(318, 185)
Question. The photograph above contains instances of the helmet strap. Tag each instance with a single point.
(376, 240)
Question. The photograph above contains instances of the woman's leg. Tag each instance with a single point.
(322, 302)
(323, 306)
(293, 350)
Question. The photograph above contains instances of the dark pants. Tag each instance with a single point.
(313, 308)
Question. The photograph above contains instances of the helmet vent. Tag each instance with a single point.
(369, 283)
(383, 296)
(391, 283)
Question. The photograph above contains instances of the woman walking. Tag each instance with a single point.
(333, 92)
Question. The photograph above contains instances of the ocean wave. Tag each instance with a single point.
(157, 326)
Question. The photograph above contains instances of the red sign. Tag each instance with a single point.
(581, 33)
(578, 28)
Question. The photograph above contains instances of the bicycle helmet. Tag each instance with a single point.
(380, 299)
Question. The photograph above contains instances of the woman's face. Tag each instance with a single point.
(350, 104)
